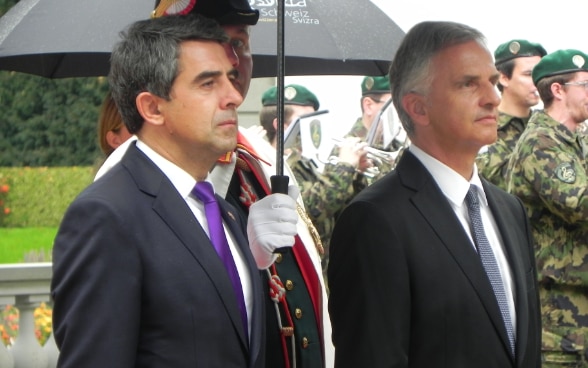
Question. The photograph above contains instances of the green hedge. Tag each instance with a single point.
(39, 196)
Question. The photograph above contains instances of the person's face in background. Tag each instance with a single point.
(520, 86)
(371, 106)
(576, 98)
(298, 111)
(239, 52)
(117, 136)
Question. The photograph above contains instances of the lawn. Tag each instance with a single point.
(31, 244)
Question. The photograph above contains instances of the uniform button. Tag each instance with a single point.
(279, 259)
(298, 313)
(289, 285)
(304, 342)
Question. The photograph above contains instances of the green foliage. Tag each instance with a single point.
(31, 244)
(5, 5)
(49, 122)
(39, 196)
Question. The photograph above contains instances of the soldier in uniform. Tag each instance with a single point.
(515, 61)
(375, 91)
(548, 172)
(323, 193)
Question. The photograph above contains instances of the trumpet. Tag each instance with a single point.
(378, 157)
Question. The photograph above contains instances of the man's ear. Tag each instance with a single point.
(275, 124)
(557, 90)
(370, 106)
(415, 105)
(148, 106)
(503, 80)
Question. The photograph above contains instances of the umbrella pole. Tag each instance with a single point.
(280, 181)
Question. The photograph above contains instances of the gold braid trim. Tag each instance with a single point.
(161, 8)
(313, 232)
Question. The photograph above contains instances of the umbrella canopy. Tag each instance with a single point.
(73, 38)
(325, 37)
(65, 38)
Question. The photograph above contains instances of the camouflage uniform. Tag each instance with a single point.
(493, 162)
(358, 130)
(324, 194)
(548, 172)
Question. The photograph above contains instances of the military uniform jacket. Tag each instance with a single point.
(492, 163)
(548, 172)
(408, 288)
(324, 194)
(307, 315)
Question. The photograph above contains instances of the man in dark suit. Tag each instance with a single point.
(415, 279)
(137, 282)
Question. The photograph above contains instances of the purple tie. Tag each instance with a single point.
(205, 193)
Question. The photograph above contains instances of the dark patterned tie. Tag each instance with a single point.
(205, 193)
(488, 260)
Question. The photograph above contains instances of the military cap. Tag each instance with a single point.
(294, 94)
(223, 11)
(375, 85)
(560, 62)
(517, 48)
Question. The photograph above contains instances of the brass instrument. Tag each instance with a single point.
(386, 127)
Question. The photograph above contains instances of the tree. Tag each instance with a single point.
(48, 122)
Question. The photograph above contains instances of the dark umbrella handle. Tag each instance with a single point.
(280, 185)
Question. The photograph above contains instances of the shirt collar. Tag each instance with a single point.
(180, 179)
(453, 185)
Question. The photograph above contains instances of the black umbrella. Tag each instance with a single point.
(73, 38)
(324, 37)
(65, 38)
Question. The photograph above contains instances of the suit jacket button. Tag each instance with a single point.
(298, 313)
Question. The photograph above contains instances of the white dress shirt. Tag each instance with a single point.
(184, 183)
(455, 189)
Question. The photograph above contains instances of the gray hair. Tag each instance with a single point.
(410, 70)
(146, 59)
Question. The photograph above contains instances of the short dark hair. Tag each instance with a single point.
(544, 86)
(146, 59)
(267, 114)
(506, 68)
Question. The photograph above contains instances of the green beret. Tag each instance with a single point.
(294, 94)
(223, 11)
(517, 48)
(375, 85)
(560, 62)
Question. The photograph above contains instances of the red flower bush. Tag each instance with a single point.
(4, 209)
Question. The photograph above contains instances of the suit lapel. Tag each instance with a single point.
(174, 211)
(505, 220)
(435, 208)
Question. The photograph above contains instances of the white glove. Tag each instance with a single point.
(271, 225)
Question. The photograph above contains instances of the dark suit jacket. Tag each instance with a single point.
(137, 282)
(409, 290)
